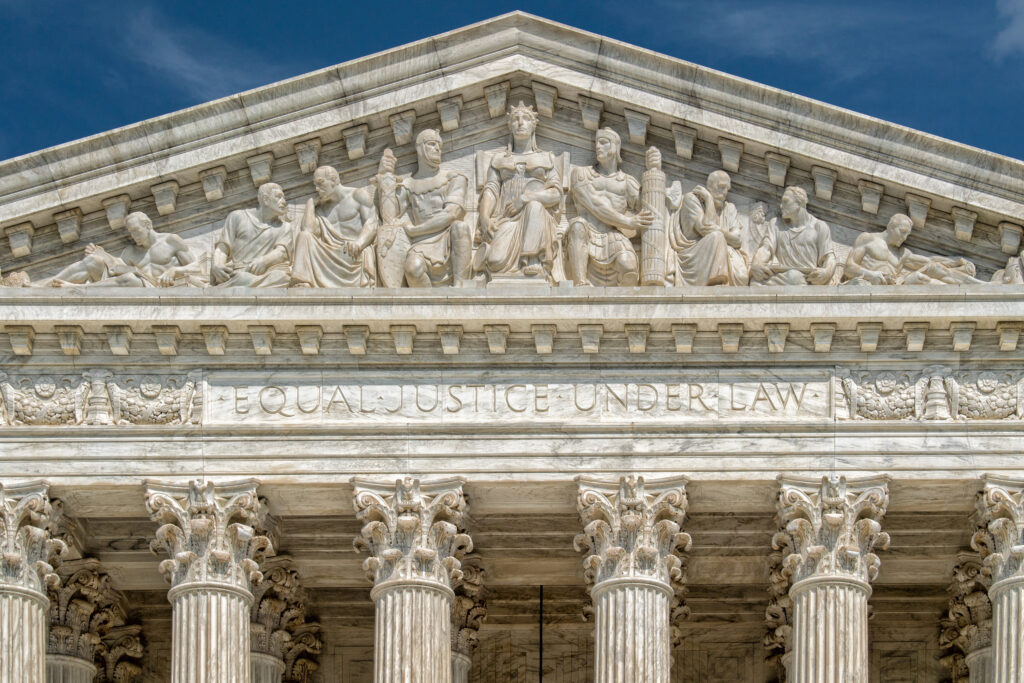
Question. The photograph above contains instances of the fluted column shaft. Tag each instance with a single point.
(461, 665)
(632, 636)
(22, 635)
(64, 669)
(209, 634)
(830, 631)
(1008, 630)
(412, 634)
(266, 668)
(979, 664)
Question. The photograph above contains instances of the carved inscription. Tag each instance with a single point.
(231, 400)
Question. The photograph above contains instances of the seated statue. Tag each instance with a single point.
(253, 248)
(423, 238)
(707, 236)
(799, 254)
(609, 215)
(522, 191)
(155, 260)
(336, 229)
(876, 259)
(1012, 274)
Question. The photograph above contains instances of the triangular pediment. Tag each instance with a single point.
(187, 170)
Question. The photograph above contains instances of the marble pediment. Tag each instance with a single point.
(187, 171)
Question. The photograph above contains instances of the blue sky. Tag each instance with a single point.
(949, 67)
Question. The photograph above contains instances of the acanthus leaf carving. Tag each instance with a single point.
(27, 553)
(834, 527)
(469, 609)
(209, 531)
(1000, 541)
(121, 655)
(83, 609)
(967, 625)
(413, 530)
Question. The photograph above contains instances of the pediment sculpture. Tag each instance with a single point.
(536, 218)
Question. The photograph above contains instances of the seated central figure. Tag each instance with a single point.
(254, 246)
(523, 189)
(708, 235)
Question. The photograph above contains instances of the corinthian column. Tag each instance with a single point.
(468, 612)
(209, 532)
(83, 609)
(966, 633)
(26, 551)
(1001, 544)
(631, 535)
(279, 631)
(833, 527)
(413, 533)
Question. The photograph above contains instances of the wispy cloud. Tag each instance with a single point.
(200, 64)
(1010, 39)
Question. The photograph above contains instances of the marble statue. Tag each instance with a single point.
(609, 215)
(254, 247)
(707, 236)
(878, 259)
(1012, 274)
(331, 246)
(517, 208)
(154, 260)
(423, 237)
(800, 253)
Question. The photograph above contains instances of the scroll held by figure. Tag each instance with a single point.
(333, 244)
(153, 260)
(609, 215)
(707, 236)
(517, 211)
(800, 252)
(423, 239)
(255, 246)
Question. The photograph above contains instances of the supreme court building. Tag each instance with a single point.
(513, 354)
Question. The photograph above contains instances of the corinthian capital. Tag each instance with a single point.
(967, 625)
(83, 609)
(833, 526)
(27, 553)
(470, 606)
(632, 529)
(413, 530)
(1001, 539)
(121, 655)
(301, 653)
(279, 607)
(209, 531)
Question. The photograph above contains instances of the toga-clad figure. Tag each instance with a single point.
(707, 236)
(521, 194)
(253, 248)
(800, 254)
(331, 246)
(609, 214)
(423, 236)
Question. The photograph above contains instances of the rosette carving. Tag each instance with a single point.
(27, 553)
(834, 527)
(209, 531)
(413, 531)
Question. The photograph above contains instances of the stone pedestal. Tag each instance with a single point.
(25, 575)
(413, 533)
(209, 532)
(833, 527)
(64, 669)
(632, 539)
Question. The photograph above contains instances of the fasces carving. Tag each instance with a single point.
(332, 246)
(609, 215)
(833, 528)
(935, 393)
(99, 397)
(209, 532)
(877, 259)
(412, 530)
(799, 254)
(706, 236)
(155, 260)
(518, 207)
(966, 628)
(255, 246)
(423, 238)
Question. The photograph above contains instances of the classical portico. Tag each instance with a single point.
(547, 355)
